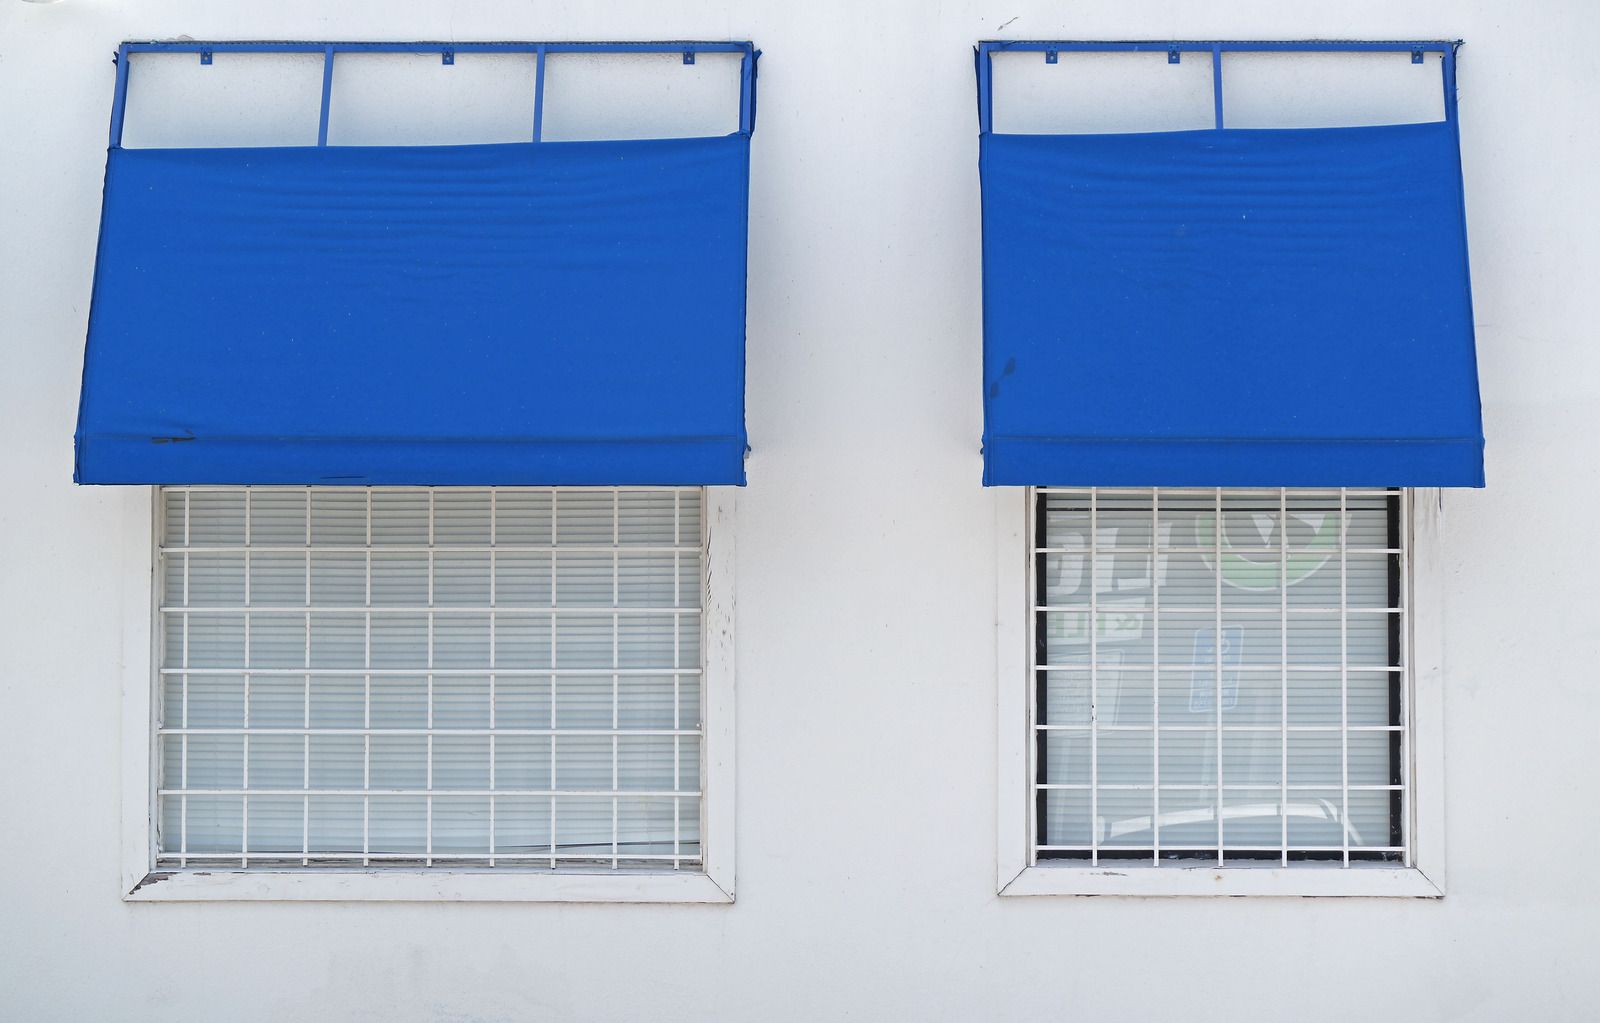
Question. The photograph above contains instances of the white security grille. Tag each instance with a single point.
(1220, 675)
(430, 677)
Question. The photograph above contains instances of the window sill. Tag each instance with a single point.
(423, 886)
(1352, 882)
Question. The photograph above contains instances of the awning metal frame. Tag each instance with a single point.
(447, 53)
(1174, 49)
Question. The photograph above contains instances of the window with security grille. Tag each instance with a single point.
(1220, 676)
(506, 678)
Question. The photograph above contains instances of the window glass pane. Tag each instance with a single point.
(399, 761)
(461, 517)
(584, 762)
(277, 640)
(217, 579)
(276, 824)
(523, 641)
(1188, 757)
(216, 518)
(584, 579)
(338, 640)
(1065, 698)
(277, 517)
(522, 578)
(1252, 757)
(1371, 818)
(460, 640)
(1255, 699)
(688, 763)
(399, 701)
(522, 517)
(337, 701)
(461, 762)
(522, 762)
(338, 577)
(461, 701)
(689, 827)
(1065, 820)
(645, 701)
(1125, 757)
(400, 640)
(1253, 817)
(584, 827)
(1124, 817)
(277, 578)
(209, 640)
(172, 757)
(522, 701)
(1260, 629)
(1315, 818)
(584, 517)
(647, 518)
(338, 762)
(461, 825)
(688, 701)
(399, 518)
(215, 701)
(1122, 519)
(644, 827)
(398, 825)
(214, 824)
(522, 825)
(689, 525)
(461, 578)
(215, 762)
(277, 761)
(174, 505)
(375, 680)
(277, 701)
(646, 580)
(338, 517)
(646, 762)
(1187, 823)
(399, 579)
(336, 823)
(1067, 756)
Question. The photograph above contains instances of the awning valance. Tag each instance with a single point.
(536, 313)
(1228, 308)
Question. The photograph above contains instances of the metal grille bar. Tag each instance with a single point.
(1174, 48)
(491, 749)
(1219, 675)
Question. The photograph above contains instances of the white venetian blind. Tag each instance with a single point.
(1220, 675)
(430, 677)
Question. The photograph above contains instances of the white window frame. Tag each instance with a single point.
(1018, 875)
(141, 882)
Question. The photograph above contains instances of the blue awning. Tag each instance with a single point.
(541, 313)
(1228, 308)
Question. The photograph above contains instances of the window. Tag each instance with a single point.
(1220, 678)
(494, 680)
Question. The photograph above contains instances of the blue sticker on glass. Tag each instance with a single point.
(1203, 681)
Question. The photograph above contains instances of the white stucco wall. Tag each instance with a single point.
(865, 583)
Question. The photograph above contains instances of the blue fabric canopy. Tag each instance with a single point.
(550, 313)
(1228, 308)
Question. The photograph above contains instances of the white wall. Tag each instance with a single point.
(865, 584)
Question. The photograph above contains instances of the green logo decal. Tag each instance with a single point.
(1257, 571)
